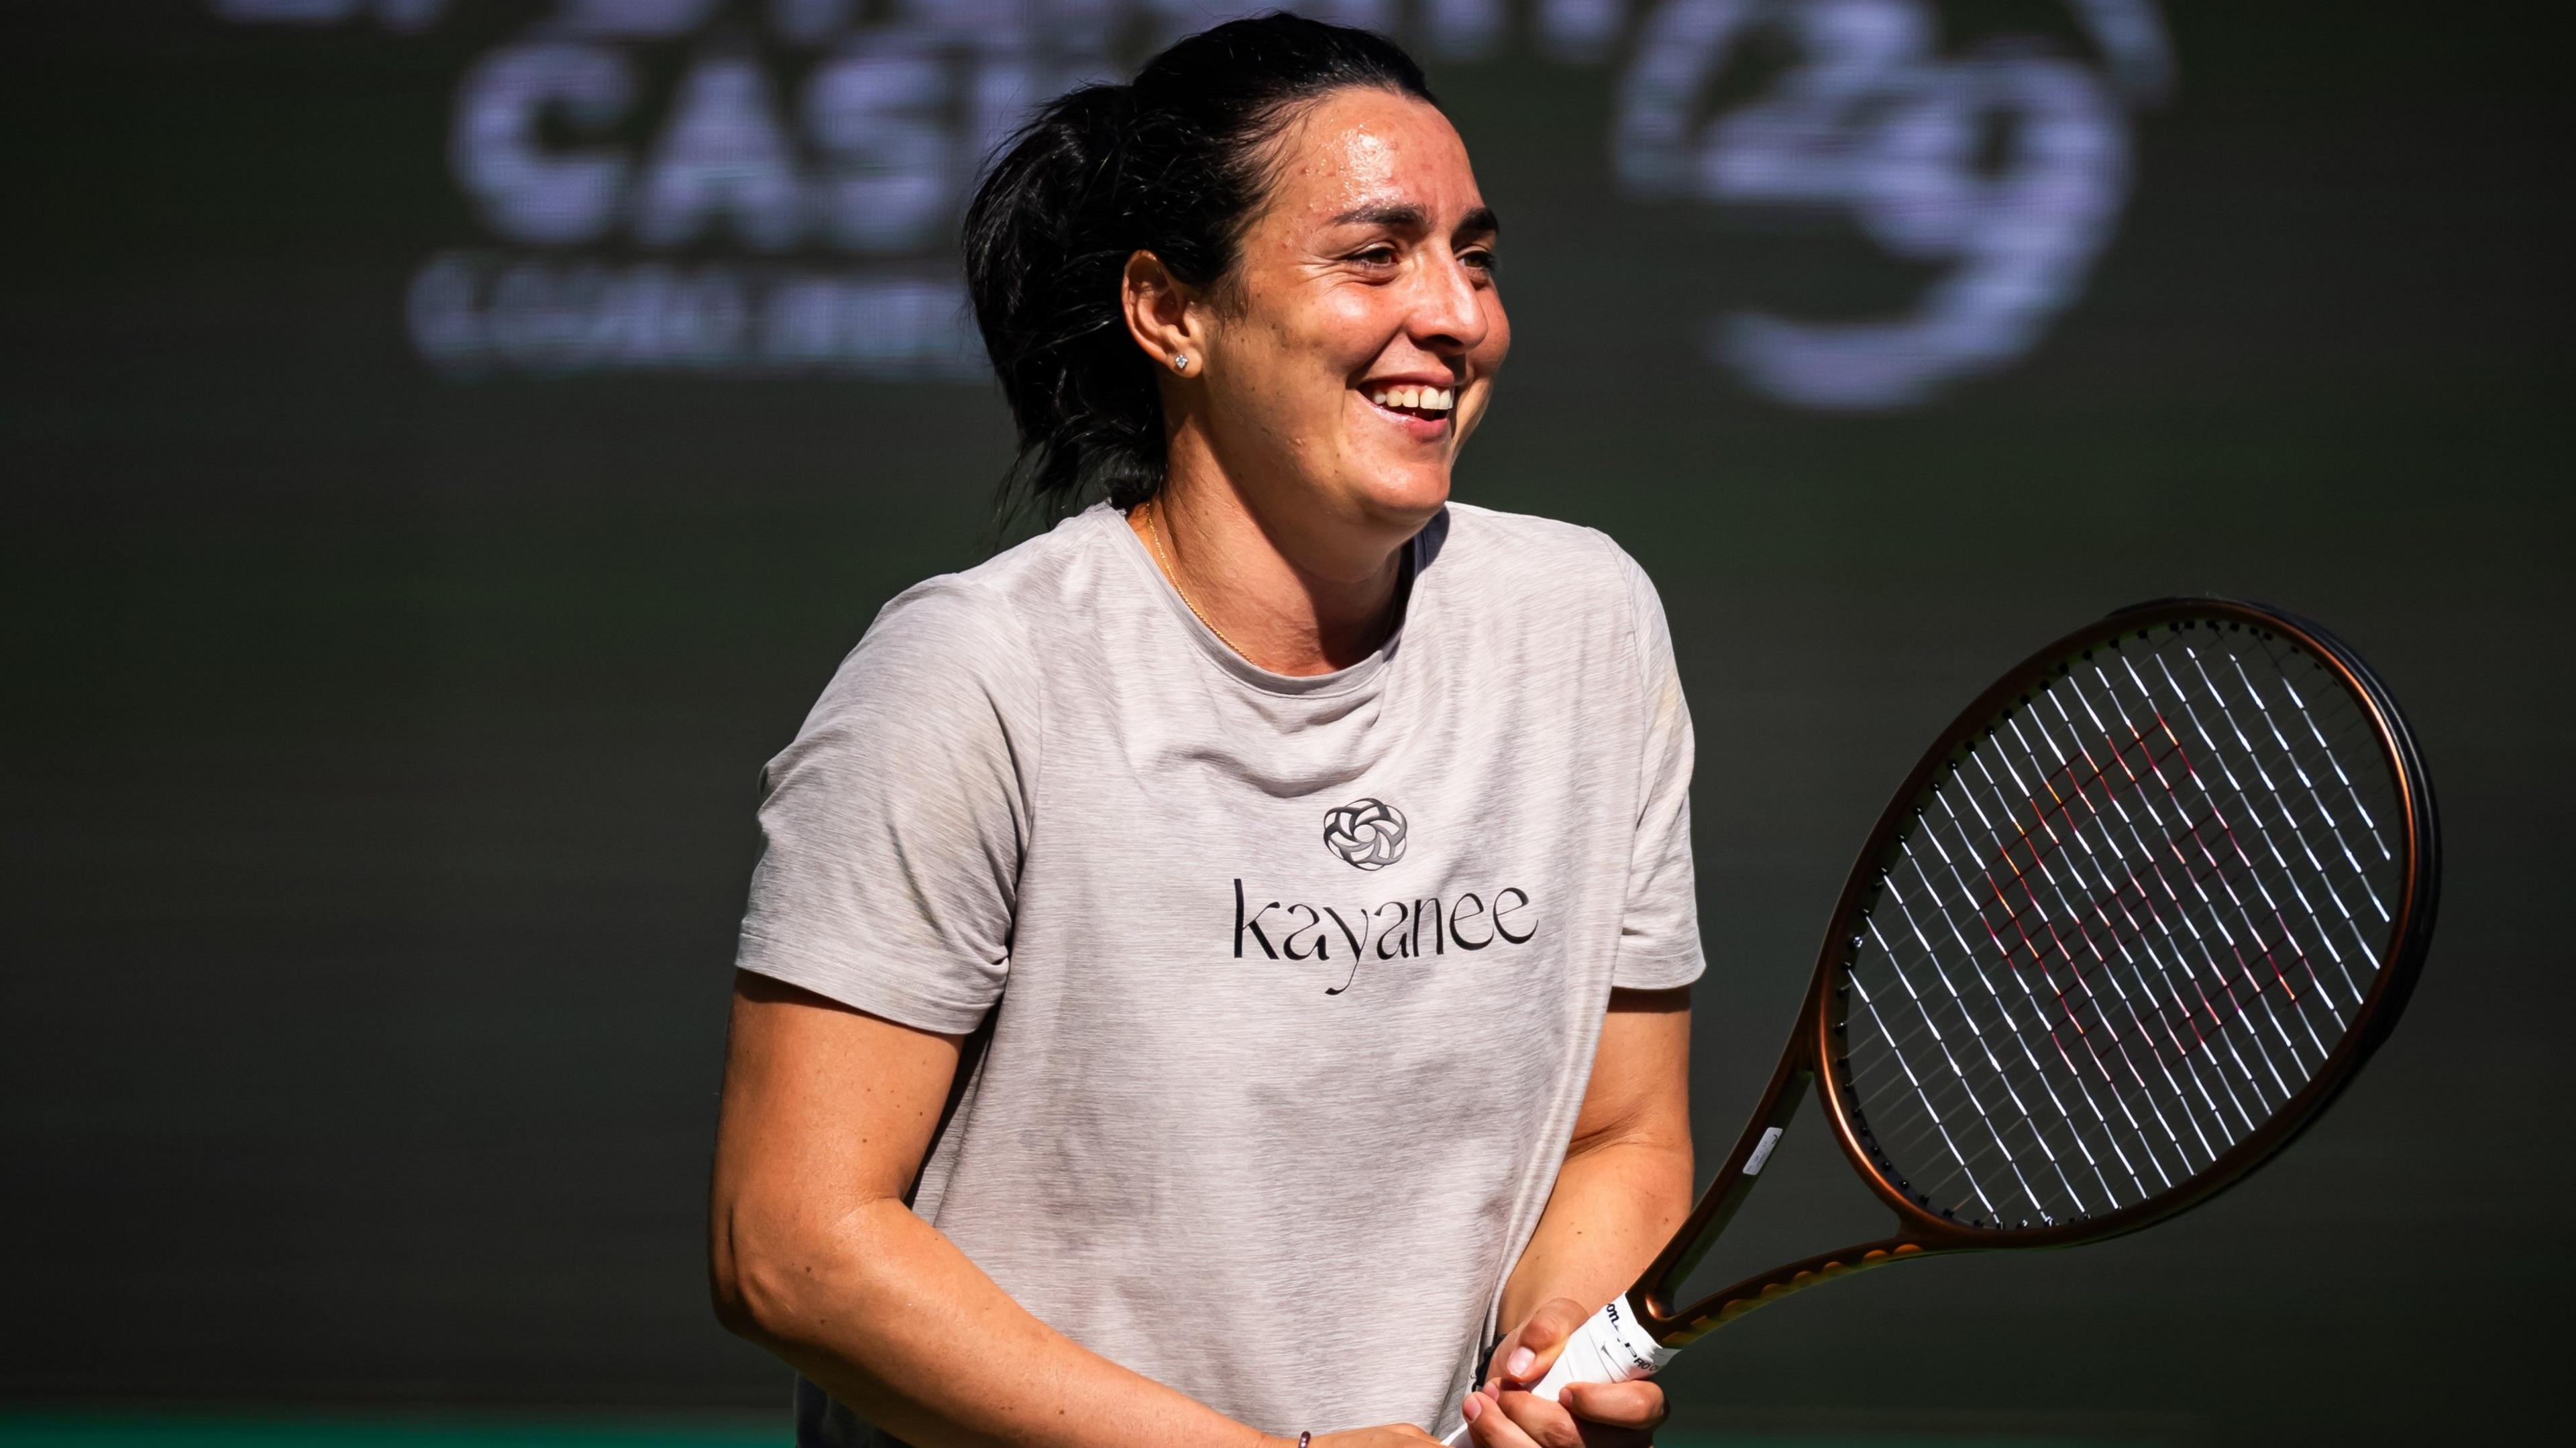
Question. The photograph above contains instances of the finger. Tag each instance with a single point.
(1488, 1426)
(1546, 1424)
(1549, 1425)
(1542, 1338)
(1634, 1404)
(1494, 1364)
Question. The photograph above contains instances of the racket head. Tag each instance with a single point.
(2117, 939)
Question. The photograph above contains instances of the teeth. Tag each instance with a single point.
(1417, 398)
(1425, 399)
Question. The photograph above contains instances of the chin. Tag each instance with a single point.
(1407, 494)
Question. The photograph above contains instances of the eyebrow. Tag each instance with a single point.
(1404, 216)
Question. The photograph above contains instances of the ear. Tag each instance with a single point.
(1164, 314)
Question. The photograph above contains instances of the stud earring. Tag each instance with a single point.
(1180, 361)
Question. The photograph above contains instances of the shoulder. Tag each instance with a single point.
(1566, 570)
(989, 606)
(963, 640)
(1494, 530)
(996, 606)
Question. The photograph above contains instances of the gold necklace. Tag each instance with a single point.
(1154, 531)
(1153, 512)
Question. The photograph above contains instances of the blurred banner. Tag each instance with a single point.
(771, 189)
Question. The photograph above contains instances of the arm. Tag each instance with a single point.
(1624, 1188)
(812, 1253)
(827, 1113)
(1626, 1182)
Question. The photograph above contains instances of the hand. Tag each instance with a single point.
(1393, 1435)
(1503, 1414)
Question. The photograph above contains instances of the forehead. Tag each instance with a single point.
(1366, 146)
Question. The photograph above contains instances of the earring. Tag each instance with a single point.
(1180, 361)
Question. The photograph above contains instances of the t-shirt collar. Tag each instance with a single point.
(1339, 681)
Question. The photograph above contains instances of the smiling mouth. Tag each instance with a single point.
(1431, 404)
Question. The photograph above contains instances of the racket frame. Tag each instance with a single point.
(1812, 1053)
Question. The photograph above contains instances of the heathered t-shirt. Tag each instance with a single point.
(1287, 989)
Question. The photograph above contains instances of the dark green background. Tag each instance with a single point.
(383, 750)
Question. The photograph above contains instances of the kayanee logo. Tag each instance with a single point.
(1367, 833)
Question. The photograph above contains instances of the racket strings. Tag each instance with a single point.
(2100, 1059)
(2025, 878)
(2126, 910)
(2124, 930)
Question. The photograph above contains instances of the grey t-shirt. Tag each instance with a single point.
(1287, 988)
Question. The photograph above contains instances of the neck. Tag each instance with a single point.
(1300, 594)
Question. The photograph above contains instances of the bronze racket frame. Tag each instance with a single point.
(1922, 1232)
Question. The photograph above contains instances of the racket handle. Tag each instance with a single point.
(1611, 1347)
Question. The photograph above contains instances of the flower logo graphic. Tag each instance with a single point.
(1368, 833)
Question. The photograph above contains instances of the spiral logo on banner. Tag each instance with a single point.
(1367, 833)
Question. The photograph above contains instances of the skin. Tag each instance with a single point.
(1289, 494)
(1288, 491)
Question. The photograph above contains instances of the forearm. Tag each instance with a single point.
(887, 1316)
(1615, 1205)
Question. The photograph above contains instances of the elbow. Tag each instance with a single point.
(741, 1288)
(739, 1305)
(767, 1281)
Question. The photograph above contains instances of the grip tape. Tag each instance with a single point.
(1610, 1347)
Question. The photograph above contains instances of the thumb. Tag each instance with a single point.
(1542, 1338)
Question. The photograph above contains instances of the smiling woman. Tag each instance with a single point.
(1042, 1125)
(1285, 265)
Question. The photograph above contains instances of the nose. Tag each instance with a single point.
(1448, 315)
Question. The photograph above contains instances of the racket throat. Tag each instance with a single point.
(1660, 1286)
(1677, 1329)
(1657, 1297)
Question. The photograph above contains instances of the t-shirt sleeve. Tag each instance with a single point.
(893, 826)
(1659, 944)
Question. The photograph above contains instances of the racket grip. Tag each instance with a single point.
(1610, 1347)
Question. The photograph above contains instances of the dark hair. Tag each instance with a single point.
(1172, 164)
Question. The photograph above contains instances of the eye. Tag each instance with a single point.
(1482, 258)
(1380, 253)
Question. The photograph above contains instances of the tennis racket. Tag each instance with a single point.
(2134, 920)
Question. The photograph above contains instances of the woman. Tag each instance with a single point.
(1217, 963)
